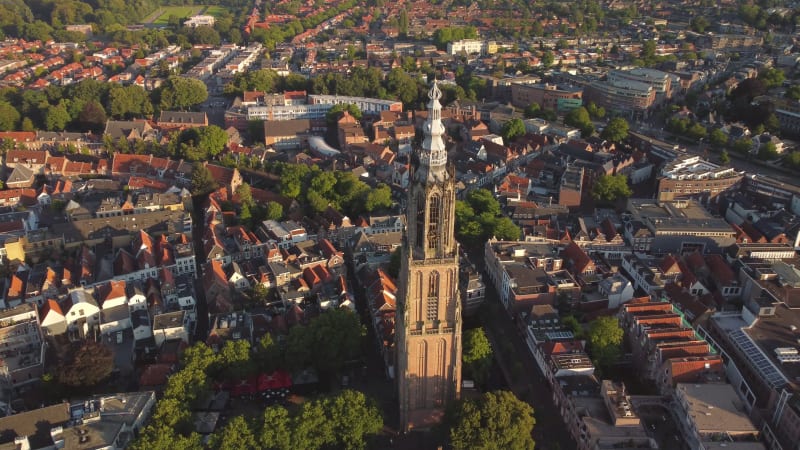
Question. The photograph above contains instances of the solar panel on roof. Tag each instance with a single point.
(764, 366)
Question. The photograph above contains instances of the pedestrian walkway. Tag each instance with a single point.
(526, 381)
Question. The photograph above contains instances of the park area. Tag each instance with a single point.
(160, 17)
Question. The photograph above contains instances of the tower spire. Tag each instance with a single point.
(433, 155)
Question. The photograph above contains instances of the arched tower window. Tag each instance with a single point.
(420, 231)
(433, 296)
(434, 213)
(446, 223)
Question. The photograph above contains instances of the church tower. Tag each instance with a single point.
(428, 334)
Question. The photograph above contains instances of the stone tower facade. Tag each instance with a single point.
(428, 335)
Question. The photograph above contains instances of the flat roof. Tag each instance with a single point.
(526, 278)
(772, 332)
(35, 424)
(716, 408)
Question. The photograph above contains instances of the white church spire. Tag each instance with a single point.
(433, 155)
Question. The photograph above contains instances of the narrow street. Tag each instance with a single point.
(523, 375)
(198, 227)
(524, 378)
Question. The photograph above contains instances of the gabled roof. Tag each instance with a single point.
(720, 270)
(21, 174)
(578, 258)
(109, 291)
(669, 265)
(49, 306)
(694, 261)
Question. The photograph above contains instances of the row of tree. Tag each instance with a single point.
(340, 421)
(85, 106)
(343, 420)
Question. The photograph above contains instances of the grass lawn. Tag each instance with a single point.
(215, 10)
(179, 11)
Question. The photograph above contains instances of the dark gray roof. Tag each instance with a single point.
(35, 424)
(182, 117)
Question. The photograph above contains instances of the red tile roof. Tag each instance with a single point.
(720, 270)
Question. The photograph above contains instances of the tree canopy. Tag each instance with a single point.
(579, 118)
(477, 355)
(86, 365)
(605, 339)
(202, 180)
(182, 92)
(328, 342)
(616, 130)
(609, 188)
(513, 129)
(497, 420)
(479, 218)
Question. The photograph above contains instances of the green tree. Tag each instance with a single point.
(204, 35)
(742, 146)
(792, 160)
(767, 152)
(402, 85)
(572, 324)
(482, 201)
(378, 198)
(211, 139)
(181, 92)
(616, 130)
(236, 435)
(86, 365)
(724, 158)
(699, 24)
(353, 416)
(311, 428)
(92, 116)
(772, 77)
(696, 131)
(771, 123)
(793, 92)
(513, 129)
(497, 420)
(532, 110)
(235, 359)
(126, 102)
(56, 117)
(506, 230)
(159, 437)
(245, 194)
(595, 112)
(477, 355)
(605, 339)
(648, 50)
(718, 138)
(202, 180)
(326, 343)
(609, 188)
(579, 118)
(276, 430)
(547, 59)
(9, 117)
(274, 211)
